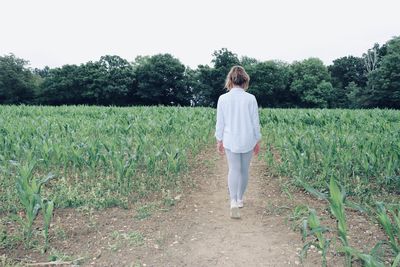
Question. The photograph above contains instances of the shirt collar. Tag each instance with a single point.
(236, 89)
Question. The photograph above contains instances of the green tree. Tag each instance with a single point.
(190, 85)
(246, 61)
(63, 86)
(94, 84)
(43, 73)
(108, 81)
(224, 59)
(269, 82)
(39, 76)
(311, 83)
(17, 83)
(203, 86)
(346, 70)
(160, 80)
(355, 95)
(111, 80)
(384, 81)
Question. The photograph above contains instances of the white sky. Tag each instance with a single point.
(58, 32)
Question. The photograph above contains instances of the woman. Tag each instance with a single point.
(237, 133)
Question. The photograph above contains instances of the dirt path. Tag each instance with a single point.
(204, 235)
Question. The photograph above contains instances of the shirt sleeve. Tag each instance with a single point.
(256, 121)
(219, 126)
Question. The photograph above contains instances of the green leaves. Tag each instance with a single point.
(17, 83)
(336, 201)
(311, 82)
(384, 82)
(367, 259)
(28, 188)
(396, 261)
(161, 80)
(392, 229)
(317, 230)
(47, 209)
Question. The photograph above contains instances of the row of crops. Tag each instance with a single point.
(98, 156)
(350, 159)
(359, 148)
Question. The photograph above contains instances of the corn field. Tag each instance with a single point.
(101, 156)
(107, 156)
(359, 148)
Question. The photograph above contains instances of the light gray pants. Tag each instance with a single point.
(238, 174)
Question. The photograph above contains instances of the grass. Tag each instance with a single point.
(7, 262)
(145, 211)
(132, 238)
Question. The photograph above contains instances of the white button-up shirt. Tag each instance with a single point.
(238, 125)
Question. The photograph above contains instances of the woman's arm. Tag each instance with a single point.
(256, 121)
(219, 127)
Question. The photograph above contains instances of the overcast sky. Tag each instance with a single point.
(58, 32)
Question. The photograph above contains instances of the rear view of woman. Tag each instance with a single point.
(237, 133)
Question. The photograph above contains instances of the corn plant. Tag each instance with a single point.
(395, 212)
(392, 229)
(28, 189)
(369, 260)
(317, 230)
(396, 261)
(47, 211)
(336, 201)
(28, 195)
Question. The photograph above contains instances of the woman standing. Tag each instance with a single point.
(237, 133)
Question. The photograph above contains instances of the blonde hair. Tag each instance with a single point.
(237, 76)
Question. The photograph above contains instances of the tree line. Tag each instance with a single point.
(369, 81)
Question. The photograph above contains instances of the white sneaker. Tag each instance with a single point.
(240, 203)
(233, 203)
(235, 214)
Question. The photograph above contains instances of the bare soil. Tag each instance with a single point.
(192, 227)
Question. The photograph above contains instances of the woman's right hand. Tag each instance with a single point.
(220, 148)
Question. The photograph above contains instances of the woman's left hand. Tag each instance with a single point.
(256, 149)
